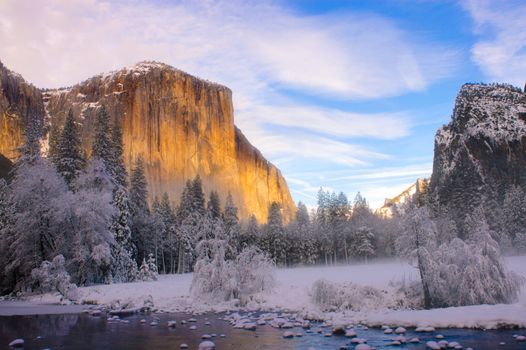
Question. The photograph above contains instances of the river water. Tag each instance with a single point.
(82, 331)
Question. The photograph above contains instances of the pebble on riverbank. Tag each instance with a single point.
(17, 343)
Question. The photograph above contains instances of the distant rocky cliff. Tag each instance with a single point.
(182, 126)
(482, 151)
(412, 193)
(19, 101)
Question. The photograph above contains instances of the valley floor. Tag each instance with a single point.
(171, 293)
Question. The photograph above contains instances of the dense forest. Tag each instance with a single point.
(67, 220)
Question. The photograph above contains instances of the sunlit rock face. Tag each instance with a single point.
(19, 101)
(481, 153)
(182, 126)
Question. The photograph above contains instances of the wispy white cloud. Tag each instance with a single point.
(500, 50)
(331, 121)
(261, 50)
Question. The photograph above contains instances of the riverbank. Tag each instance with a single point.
(292, 293)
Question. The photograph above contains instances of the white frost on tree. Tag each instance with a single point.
(93, 238)
(148, 269)
(53, 277)
(217, 278)
(456, 272)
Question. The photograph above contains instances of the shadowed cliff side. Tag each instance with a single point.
(19, 101)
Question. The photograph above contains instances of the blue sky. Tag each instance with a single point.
(341, 94)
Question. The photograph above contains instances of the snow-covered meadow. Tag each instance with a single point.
(171, 293)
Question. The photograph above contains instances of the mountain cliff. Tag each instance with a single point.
(481, 153)
(413, 192)
(19, 101)
(182, 126)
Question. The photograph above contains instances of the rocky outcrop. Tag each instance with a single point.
(415, 192)
(19, 101)
(482, 151)
(182, 126)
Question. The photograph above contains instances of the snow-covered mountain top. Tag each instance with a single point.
(496, 112)
(146, 67)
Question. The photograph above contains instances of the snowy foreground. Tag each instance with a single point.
(171, 294)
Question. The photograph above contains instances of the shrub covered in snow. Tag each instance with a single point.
(148, 270)
(218, 279)
(53, 277)
(329, 296)
(253, 273)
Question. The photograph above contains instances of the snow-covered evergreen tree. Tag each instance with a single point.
(514, 215)
(169, 238)
(116, 163)
(101, 147)
(148, 269)
(214, 204)
(5, 236)
(273, 240)
(141, 230)
(251, 235)
(123, 265)
(30, 150)
(232, 228)
(197, 196)
(363, 242)
(68, 157)
(54, 133)
(152, 265)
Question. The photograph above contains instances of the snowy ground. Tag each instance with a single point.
(171, 293)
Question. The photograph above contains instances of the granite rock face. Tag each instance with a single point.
(182, 126)
(19, 101)
(481, 153)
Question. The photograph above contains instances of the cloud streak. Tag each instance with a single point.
(500, 50)
(265, 52)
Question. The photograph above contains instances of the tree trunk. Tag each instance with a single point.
(180, 263)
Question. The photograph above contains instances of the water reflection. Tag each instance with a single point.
(86, 332)
(81, 331)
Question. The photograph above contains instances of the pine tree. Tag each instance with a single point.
(514, 217)
(139, 187)
(214, 205)
(5, 235)
(251, 234)
(157, 229)
(102, 145)
(152, 265)
(168, 234)
(197, 196)
(363, 242)
(231, 221)
(54, 137)
(69, 159)
(140, 212)
(302, 215)
(117, 168)
(273, 241)
(30, 150)
(124, 267)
